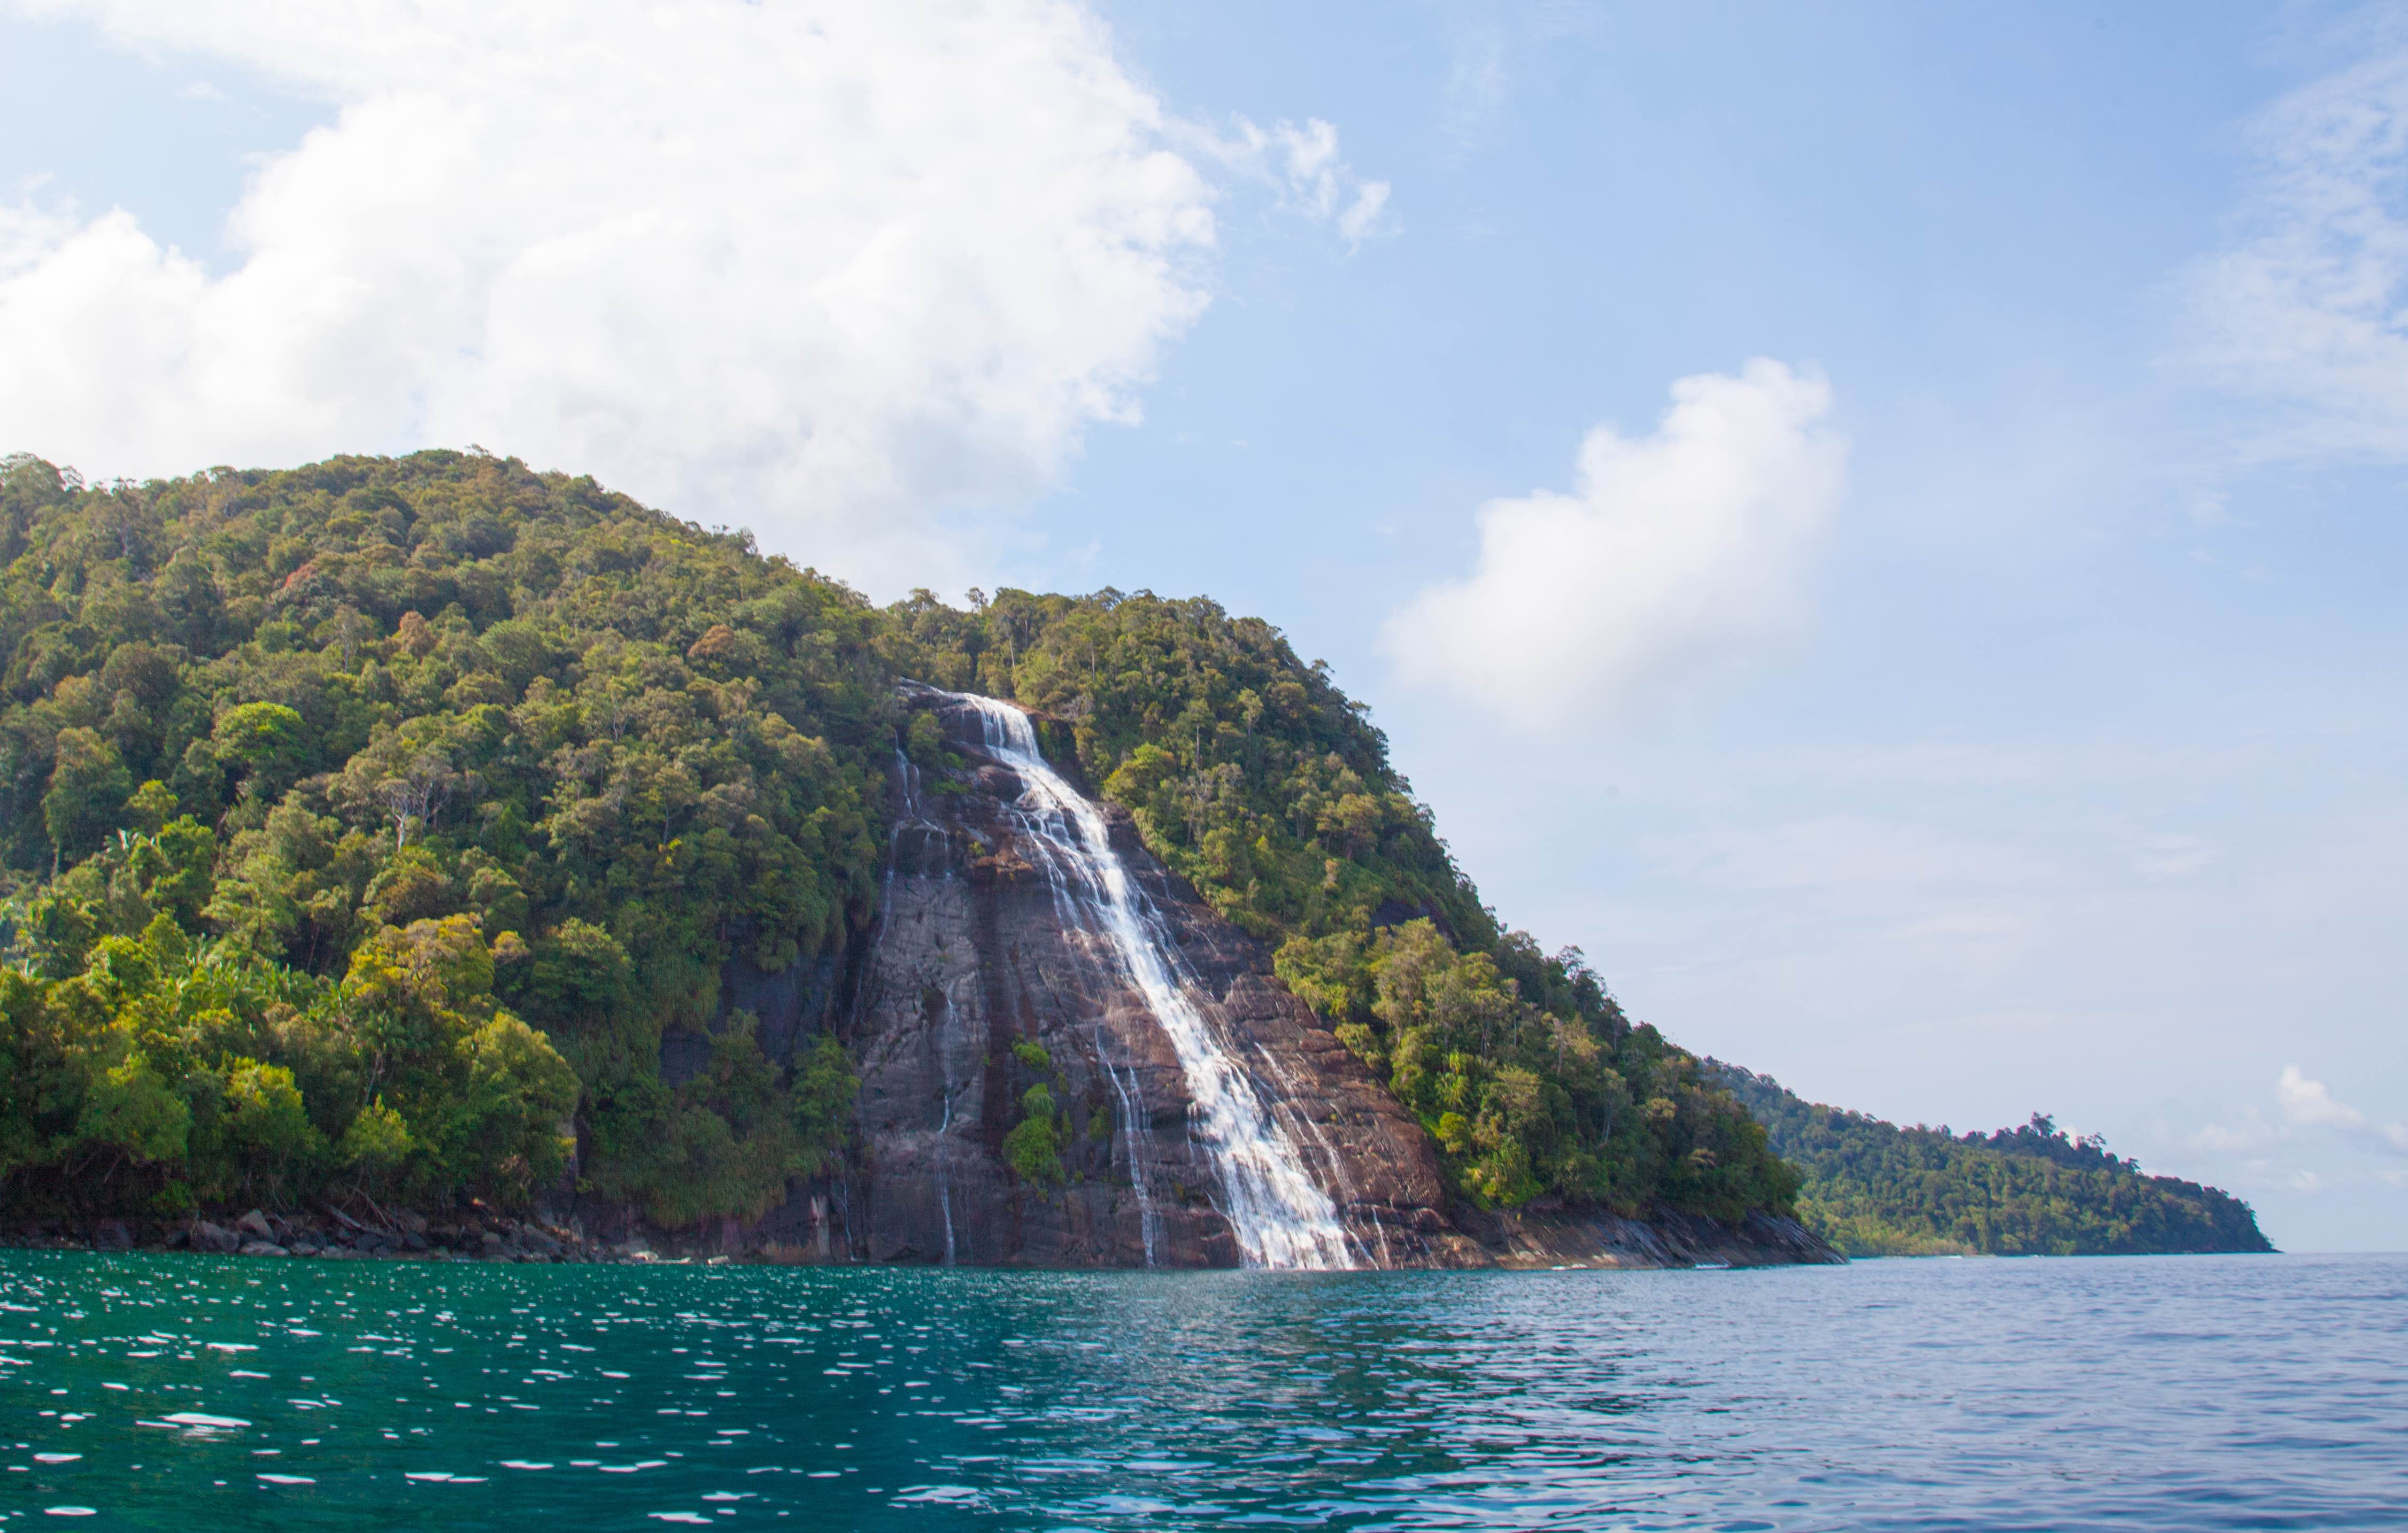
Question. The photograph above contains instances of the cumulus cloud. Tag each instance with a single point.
(2311, 1105)
(2306, 1111)
(2311, 1141)
(2307, 307)
(1675, 553)
(828, 269)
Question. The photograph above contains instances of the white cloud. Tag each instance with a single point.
(2308, 1115)
(2307, 308)
(1303, 164)
(2306, 1101)
(2310, 1104)
(828, 269)
(1675, 553)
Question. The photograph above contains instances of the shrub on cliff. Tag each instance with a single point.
(1033, 1147)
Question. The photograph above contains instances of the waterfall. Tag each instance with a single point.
(944, 1188)
(1281, 1216)
(1133, 1142)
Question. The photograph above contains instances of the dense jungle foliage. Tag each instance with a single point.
(369, 823)
(1874, 1189)
(367, 827)
(1249, 774)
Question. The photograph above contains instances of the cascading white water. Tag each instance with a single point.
(1132, 1144)
(1281, 1216)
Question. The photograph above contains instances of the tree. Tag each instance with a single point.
(130, 1111)
(87, 792)
(266, 740)
(265, 1128)
(417, 792)
(508, 1129)
(823, 1094)
(377, 1146)
(150, 807)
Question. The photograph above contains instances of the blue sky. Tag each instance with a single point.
(1991, 701)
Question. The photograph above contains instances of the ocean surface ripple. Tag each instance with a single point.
(2191, 1393)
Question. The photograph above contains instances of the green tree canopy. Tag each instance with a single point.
(460, 784)
(1876, 1189)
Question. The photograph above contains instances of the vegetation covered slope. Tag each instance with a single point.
(1254, 776)
(1874, 1189)
(367, 826)
(373, 820)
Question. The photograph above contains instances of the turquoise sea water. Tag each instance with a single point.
(2193, 1393)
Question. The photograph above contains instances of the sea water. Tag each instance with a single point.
(2192, 1393)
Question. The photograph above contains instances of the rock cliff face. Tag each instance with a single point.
(980, 948)
(985, 948)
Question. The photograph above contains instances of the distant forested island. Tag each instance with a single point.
(1876, 1189)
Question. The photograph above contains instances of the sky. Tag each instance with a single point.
(1881, 523)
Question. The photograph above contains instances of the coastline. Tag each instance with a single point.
(1481, 1239)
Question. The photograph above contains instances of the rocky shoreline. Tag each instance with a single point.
(1502, 1240)
(1668, 1237)
(333, 1235)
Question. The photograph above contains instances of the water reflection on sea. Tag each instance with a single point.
(2191, 1392)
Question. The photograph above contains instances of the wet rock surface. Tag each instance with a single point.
(978, 952)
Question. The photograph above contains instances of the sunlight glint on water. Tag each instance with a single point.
(2191, 1394)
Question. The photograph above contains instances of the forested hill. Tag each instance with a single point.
(365, 825)
(1874, 1189)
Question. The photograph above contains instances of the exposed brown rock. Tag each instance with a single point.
(975, 952)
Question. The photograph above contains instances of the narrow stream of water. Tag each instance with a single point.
(1281, 1215)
